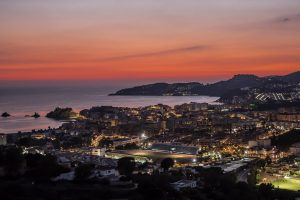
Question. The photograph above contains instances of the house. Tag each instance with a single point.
(69, 176)
(64, 161)
(105, 171)
(98, 152)
(184, 184)
(295, 148)
(3, 139)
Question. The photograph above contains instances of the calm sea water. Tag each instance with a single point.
(21, 101)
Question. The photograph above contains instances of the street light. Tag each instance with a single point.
(143, 136)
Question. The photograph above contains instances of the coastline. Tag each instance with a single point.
(18, 121)
(24, 124)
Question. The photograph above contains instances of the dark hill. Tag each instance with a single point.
(159, 89)
(293, 77)
(237, 82)
(220, 88)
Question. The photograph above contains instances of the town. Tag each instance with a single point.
(125, 148)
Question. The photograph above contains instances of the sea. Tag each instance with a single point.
(23, 100)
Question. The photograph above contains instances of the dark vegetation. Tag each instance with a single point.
(61, 113)
(126, 166)
(286, 140)
(28, 177)
(83, 172)
(275, 105)
(167, 163)
(30, 166)
(128, 146)
(105, 142)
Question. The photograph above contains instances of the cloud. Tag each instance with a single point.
(289, 18)
(159, 53)
(8, 58)
(24, 69)
(288, 22)
(249, 61)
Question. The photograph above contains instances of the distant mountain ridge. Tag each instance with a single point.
(221, 88)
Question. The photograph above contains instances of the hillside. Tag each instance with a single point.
(221, 88)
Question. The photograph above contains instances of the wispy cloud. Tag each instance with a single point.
(8, 58)
(259, 61)
(288, 21)
(289, 18)
(24, 69)
(158, 53)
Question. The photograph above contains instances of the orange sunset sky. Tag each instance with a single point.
(147, 39)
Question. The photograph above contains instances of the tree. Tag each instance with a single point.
(2, 157)
(268, 160)
(127, 146)
(74, 141)
(33, 160)
(13, 161)
(167, 163)
(26, 142)
(266, 190)
(83, 172)
(105, 142)
(156, 186)
(49, 167)
(210, 176)
(126, 166)
(43, 167)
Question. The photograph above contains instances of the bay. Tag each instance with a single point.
(23, 101)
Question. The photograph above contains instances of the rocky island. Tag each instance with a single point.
(5, 114)
(62, 114)
(36, 115)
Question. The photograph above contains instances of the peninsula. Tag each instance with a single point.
(240, 85)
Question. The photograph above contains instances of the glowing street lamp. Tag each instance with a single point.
(143, 136)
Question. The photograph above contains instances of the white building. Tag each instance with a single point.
(252, 143)
(62, 160)
(3, 139)
(123, 141)
(106, 171)
(98, 152)
(265, 143)
(69, 176)
(184, 184)
(295, 148)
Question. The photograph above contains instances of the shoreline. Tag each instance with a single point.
(18, 109)
(27, 124)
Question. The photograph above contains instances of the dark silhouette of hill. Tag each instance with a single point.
(220, 88)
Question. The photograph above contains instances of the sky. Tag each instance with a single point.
(147, 40)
